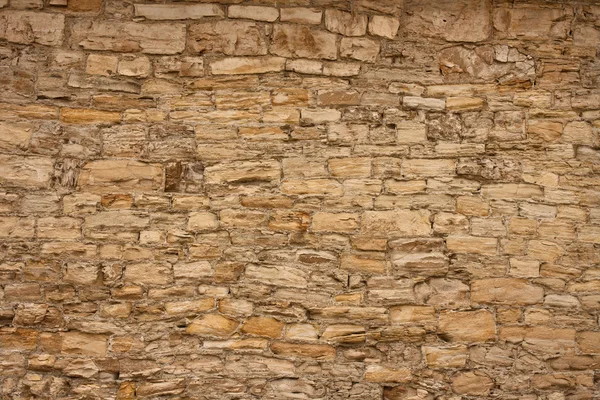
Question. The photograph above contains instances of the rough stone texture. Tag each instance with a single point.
(299, 199)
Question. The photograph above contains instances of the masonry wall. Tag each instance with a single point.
(308, 199)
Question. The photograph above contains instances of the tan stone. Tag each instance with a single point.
(88, 116)
(334, 222)
(312, 187)
(212, 325)
(428, 167)
(471, 244)
(149, 273)
(84, 344)
(345, 23)
(380, 25)
(547, 131)
(505, 291)
(202, 220)
(119, 175)
(177, 11)
(139, 67)
(301, 15)
(460, 104)
(381, 374)
(361, 49)
(258, 13)
(99, 64)
(445, 357)
(457, 21)
(530, 23)
(472, 383)
(247, 65)
(263, 326)
(467, 326)
(158, 38)
(297, 41)
(301, 332)
(399, 222)
(412, 315)
(84, 5)
(189, 307)
(588, 342)
(240, 38)
(363, 263)
(277, 275)
(344, 333)
(26, 27)
(315, 351)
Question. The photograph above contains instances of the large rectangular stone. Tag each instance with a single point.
(177, 11)
(26, 27)
(239, 38)
(20, 171)
(397, 222)
(298, 41)
(247, 65)
(242, 172)
(129, 37)
(120, 175)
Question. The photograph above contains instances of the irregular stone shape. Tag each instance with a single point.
(149, 273)
(531, 23)
(456, 21)
(424, 103)
(472, 244)
(84, 5)
(380, 25)
(446, 357)
(258, 13)
(413, 315)
(467, 326)
(119, 175)
(247, 65)
(84, 344)
(212, 325)
(463, 62)
(263, 326)
(398, 222)
(129, 37)
(26, 27)
(243, 172)
(589, 342)
(381, 374)
(88, 116)
(472, 383)
(117, 225)
(277, 275)
(312, 187)
(378, 314)
(428, 167)
(15, 135)
(363, 263)
(315, 351)
(202, 220)
(19, 171)
(361, 49)
(345, 23)
(334, 222)
(297, 41)
(301, 15)
(177, 11)
(238, 38)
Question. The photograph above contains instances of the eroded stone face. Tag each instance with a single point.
(315, 199)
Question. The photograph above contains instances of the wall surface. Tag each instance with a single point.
(299, 199)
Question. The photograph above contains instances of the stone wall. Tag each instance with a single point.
(307, 199)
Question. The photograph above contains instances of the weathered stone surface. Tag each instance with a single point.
(34, 172)
(320, 199)
(302, 42)
(238, 38)
(161, 38)
(467, 326)
(177, 11)
(399, 222)
(246, 65)
(212, 325)
(314, 351)
(505, 291)
(27, 27)
(115, 175)
(457, 21)
(345, 23)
